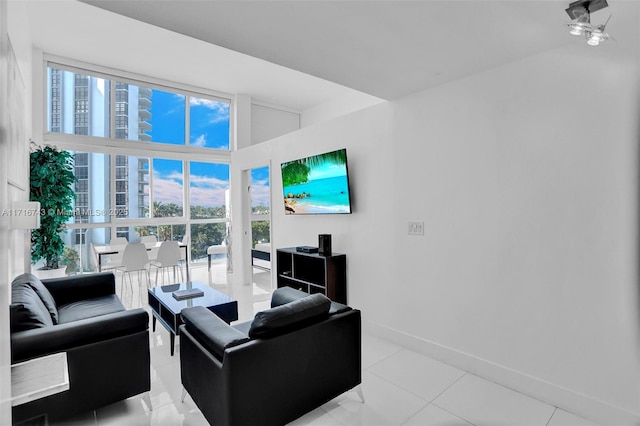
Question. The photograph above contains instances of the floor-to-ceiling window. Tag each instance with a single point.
(151, 158)
(260, 206)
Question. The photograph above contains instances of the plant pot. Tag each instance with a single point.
(44, 274)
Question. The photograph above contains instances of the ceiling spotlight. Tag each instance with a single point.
(581, 25)
(580, 13)
(598, 35)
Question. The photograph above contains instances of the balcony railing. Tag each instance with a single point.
(144, 103)
(145, 92)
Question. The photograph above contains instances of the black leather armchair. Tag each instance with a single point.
(107, 346)
(289, 360)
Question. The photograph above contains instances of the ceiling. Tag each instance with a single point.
(302, 53)
(384, 48)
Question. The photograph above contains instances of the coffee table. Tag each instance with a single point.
(166, 309)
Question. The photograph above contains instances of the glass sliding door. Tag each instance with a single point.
(260, 194)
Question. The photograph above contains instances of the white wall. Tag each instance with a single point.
(337, 107)
(15, 123)
(366, 136)
(5, 351)
(269, 122)
(526, 179)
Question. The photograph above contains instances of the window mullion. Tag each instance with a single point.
(186, 184)
(187, 121)
(102, 115)
(112, 192)
(151, 201)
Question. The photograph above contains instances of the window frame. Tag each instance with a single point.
(113, 147)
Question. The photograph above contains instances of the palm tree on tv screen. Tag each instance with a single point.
(297, 171)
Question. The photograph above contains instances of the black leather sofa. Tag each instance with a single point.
(107, 346)
(289, 360)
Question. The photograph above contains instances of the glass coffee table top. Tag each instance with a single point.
(211, 296)
(166, 308)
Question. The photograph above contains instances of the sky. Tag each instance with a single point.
(209, 127)
(260, 195)
(327, 170)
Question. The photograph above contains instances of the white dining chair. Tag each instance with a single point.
(169, 256)
(213, 250)
(134, 259)
(114, 261)
(107, 264)
(184, 242)
(150, 242)
(118, 241)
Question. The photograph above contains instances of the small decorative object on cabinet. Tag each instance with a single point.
(313, 273)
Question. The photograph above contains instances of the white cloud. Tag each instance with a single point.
(208, 182)
(167, 191)
(205, 191)
(260, 193)
(219, 110)
(200, 141)
(175, 175)
(207, 197)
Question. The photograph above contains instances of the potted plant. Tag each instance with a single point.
(52, 180)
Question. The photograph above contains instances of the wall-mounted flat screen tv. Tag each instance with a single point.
(318, 184)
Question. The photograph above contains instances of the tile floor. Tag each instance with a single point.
(400, 387)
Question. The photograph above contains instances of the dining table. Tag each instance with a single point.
(106, 250)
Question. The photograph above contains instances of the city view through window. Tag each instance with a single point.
(155, 193)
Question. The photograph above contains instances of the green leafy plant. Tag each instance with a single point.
(296, 172)
(51, 184)
(71, 259)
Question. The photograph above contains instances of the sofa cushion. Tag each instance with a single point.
(284, 318)
(90, 308)
(42, 292)
(211, 331)
(284, 295)
(27, 310)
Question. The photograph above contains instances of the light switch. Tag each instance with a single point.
(416, 228)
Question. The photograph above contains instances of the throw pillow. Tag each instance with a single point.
(27, 310)
(284, 318)
(284, 295)
(40, 289)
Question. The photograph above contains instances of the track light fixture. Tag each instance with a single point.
(580, 13)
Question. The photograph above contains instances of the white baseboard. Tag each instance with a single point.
(581, 405)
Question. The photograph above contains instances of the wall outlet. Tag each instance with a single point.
(416, 228)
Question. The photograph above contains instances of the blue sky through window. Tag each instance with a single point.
(167, 181)
(209, 123)
(209, 128)
(208, 183)
(260, 195)
(167, 118)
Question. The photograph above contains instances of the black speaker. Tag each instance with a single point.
(324, 244)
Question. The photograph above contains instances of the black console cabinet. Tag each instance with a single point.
(313, 273)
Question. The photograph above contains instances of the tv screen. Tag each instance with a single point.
(318, 184)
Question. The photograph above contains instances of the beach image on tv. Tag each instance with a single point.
(317, 184)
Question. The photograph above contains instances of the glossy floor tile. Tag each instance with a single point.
(400, 387)
(418, 374)
(481, 402)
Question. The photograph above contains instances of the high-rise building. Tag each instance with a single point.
(80, 104)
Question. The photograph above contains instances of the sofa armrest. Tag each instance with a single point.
(80, 287)
(211, 331)
(62, 337)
